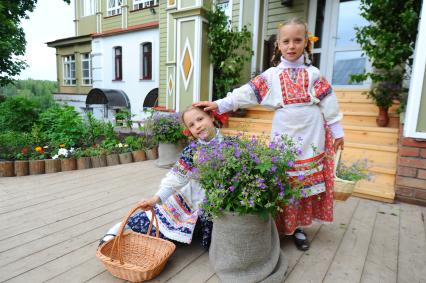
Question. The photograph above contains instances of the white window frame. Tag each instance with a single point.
(88, 7)
(89, 78)
(228, 5)
(142, 4)
(417, 83)
(114, 7)
(68, 68)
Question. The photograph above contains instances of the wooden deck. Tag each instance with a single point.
(51, 225)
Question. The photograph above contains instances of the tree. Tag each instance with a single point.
(12, 44)
(389, 42)
(229, 51)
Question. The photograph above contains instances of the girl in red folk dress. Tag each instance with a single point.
(306, 109)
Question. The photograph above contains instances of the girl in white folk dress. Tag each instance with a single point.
(306, 109)
(176, 203)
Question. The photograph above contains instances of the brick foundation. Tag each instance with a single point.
(411, 174)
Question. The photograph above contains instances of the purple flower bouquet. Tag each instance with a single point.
(247, 176)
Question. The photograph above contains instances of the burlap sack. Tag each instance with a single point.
(168, 154)
(246, 249)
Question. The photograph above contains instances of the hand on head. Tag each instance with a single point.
(206, 105)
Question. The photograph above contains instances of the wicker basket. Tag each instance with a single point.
(343, 189)
(134, 256)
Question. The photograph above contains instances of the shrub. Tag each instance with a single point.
(63, 125)
(18, 114)
(13, 144)
(165, 127)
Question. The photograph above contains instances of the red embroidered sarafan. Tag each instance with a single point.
(295, 90)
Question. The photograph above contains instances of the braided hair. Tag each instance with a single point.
(307, 54)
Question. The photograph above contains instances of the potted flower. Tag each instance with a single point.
(52, 165)
(82, 157)
(124, 153)
(167, 130)
(11, 143)
(21, 162)
(135, 145)
(346, 177)
(36, 165)
(245, 183)
(389, 50)
(66, 156)
(111, 150)
(150, 146)
(97, 156)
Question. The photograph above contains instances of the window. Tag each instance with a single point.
(86, 69)
(226, 7)
(147, 61)
(87, 7)
(118, 63)
(114, 7)
(336, 53)
(69, 70)
(140, 4)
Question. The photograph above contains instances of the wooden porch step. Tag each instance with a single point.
(351, 93)
(368, 119)
(363, 107)
(382, 158)
(357, 117)
(377, 155)
(354, 133)
(374, 191)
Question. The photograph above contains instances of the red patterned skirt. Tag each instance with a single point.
(317, 207)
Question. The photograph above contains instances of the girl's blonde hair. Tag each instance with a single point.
(276, 58)
(216, 123)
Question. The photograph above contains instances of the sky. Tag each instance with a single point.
(51, 20)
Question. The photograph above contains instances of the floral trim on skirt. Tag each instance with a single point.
(140, 223)
(317, 207)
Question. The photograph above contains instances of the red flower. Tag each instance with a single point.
(222, 118)
(24, 150)
(186, 132)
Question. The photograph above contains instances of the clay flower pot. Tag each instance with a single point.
(22, 168)
(68, 164)
(52, 165)
(7, 168)
(168, 154)
(125, 158)
(36, 167)
(112, 159)
(139, 155)
(152, 153)
(98, 161)
(83, 163)
(383, 119)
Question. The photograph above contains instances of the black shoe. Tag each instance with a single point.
(304, 244)
(103, 240)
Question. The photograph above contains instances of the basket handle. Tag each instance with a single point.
(337, 157)
(117, 240)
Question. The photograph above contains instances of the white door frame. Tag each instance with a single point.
(329, 35)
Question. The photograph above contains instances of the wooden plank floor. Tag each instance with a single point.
(51, 225)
